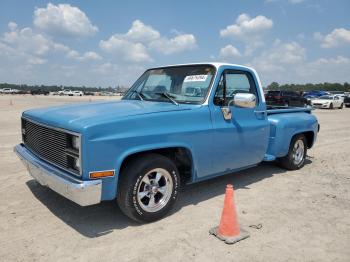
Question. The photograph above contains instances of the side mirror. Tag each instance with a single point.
(244, 100)
(240, 100)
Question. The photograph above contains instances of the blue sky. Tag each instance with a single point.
(106, 43)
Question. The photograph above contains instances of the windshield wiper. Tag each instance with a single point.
(168, 96)
(139, 94)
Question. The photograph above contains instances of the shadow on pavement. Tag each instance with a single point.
(101, 219)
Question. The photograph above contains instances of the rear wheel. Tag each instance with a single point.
(148, 188)
(341, 106)
(295, 158)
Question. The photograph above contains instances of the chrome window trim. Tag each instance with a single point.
(64, 131)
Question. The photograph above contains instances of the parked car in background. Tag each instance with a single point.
(141, 149)
(39, 92)
(328, 101)
(341, 96)
(347, 101)
(87, 93)
(8, 91)
(77, 93)
(22, 92)
(285, 98)
(66, 93)
(314, 94)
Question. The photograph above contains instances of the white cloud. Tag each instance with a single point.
(128, 50)
(36, 61)
(91, 56)
(336, 38)
(140, 32)
(246, 27)
(280, 57)
(248, 30)
(287, 63)
(29, 47)
(135, 45)
(12, 26)
(173, 45)
(73, 54)
(25, 40)
(229, 51)
(63, 19)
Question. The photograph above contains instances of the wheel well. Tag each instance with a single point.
(309, 135)
(181, 157)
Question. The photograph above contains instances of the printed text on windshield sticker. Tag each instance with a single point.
(196, 78)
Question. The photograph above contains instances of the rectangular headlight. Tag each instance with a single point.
(75, 142)
(74, 153)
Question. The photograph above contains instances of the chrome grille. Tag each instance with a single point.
(48, 143)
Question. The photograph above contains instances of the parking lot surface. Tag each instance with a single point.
(305, 214)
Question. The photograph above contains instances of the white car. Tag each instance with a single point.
(328, 102)
(8, 91)
(77, 93)
(341, 96)
(65, 93)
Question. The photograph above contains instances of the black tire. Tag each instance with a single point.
(286, 104)
(131, 180)
(341, 106)
(331, 106)
(288, 162)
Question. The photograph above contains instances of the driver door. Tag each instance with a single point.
(242, 140)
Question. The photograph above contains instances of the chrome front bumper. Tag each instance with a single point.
(84, 193)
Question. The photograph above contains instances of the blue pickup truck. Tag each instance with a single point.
(176, 125)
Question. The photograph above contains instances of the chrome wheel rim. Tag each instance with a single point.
(298, 152)
(154, 190)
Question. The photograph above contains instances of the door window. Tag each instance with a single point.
(231, 83)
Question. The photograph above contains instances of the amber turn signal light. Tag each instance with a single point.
(101, 174)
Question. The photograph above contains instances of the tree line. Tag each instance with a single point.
(55, 88)
(308, 87)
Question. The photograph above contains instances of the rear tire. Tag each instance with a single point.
(341, 106)
(295, 159)
(148, 187)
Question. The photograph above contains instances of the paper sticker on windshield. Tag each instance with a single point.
(196, 78)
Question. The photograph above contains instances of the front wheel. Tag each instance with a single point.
(148, 187)
(295, 158)
(331, 106)
(341, 106)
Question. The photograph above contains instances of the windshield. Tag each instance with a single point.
(183, 84)
(326, 97)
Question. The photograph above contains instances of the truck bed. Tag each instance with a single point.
(281, 109)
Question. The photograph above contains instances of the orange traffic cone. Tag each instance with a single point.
(229, 230)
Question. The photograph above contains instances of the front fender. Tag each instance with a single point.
(109, 145)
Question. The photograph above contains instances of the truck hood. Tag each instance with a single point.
(79, 116)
